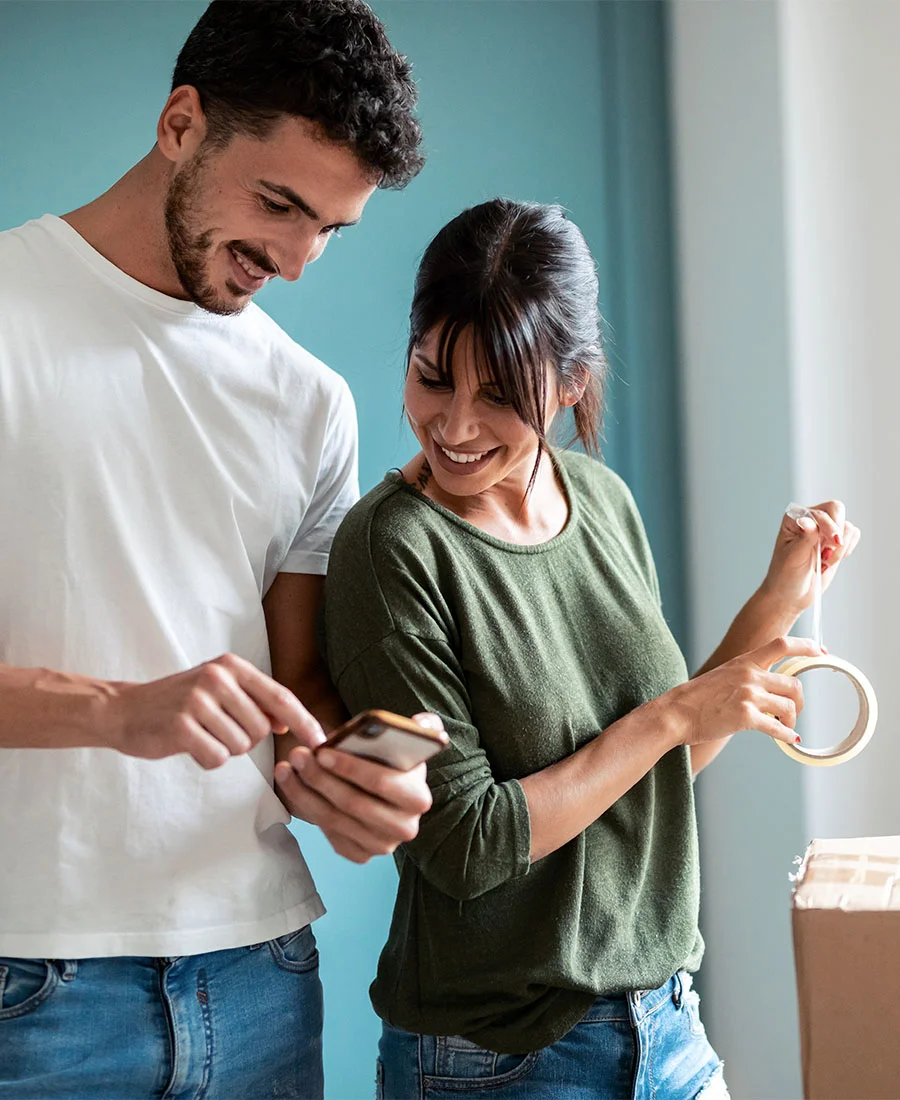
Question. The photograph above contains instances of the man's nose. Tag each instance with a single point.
(297, 253)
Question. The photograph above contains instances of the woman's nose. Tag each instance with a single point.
(460, 423)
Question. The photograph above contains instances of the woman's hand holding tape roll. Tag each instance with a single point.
(790, 580)
(788, 589)
(742, 694)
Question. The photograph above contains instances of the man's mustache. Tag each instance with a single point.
(256, 256)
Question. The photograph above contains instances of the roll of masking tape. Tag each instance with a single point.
(862, 731)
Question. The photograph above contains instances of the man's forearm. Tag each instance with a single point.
(291, 607)
(318, 695)
(43, 709)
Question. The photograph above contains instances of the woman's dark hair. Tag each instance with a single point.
(520, 277)
(255, 61)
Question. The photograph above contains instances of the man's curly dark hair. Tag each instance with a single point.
(255, 61)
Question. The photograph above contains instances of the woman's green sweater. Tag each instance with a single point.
(527, 652)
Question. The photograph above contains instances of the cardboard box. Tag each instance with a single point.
(846, 923)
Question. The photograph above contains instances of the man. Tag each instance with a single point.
(172, 470)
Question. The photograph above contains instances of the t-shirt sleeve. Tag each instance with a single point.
(636, 536)
(643, 551)
(336, 490)
(477, 834)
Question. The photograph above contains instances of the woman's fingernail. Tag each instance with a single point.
(797, 739)
(837, 540)
(429, 721)
(826, 553)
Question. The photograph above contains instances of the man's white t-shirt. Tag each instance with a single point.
(159, 465)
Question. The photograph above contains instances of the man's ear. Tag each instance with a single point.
(181, 129)
(572, 388)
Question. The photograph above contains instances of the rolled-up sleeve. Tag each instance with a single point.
(477, 834)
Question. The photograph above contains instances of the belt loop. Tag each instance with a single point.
(68, 968)
(678, 990)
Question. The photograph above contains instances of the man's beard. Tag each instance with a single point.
(189, 247)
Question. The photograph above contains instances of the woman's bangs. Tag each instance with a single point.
(510, 358)
(451, 331)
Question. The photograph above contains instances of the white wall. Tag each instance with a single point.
(842, 152)
(737, 432)
(786, 157)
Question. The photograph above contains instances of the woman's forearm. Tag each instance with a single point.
(564, 799)
(568, 796)
(762, 618)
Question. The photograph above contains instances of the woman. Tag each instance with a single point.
(546, 918)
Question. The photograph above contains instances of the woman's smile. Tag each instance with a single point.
(462, 462)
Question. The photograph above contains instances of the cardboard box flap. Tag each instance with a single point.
(859, 873)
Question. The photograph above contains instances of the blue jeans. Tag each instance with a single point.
(637, 1046)
(241, 1023)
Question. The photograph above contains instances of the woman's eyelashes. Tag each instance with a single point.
(495, 398)
(431, 382)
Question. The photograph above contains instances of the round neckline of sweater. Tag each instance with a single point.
(501, 544)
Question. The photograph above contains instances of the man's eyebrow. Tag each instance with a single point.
(292, 197)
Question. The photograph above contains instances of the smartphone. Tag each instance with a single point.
(387, 739)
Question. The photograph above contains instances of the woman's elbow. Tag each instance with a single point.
(466, 879)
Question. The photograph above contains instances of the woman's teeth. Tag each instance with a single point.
(457, 457)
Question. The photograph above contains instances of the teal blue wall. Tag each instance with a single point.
(543, 99)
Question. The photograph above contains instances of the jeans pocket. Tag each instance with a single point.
(296, 951)
(690, 1001)
(715, 1088)
(460, 1064)
(24, 985)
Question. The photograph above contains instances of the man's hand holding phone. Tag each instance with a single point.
(365, 787)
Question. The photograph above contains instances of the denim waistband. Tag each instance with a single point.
(638, 1003)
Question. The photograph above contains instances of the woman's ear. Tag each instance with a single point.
(571, 389)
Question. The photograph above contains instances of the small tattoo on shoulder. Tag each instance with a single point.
(424, 476)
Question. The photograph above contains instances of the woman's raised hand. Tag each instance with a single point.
(790, 580)
(742, 694)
